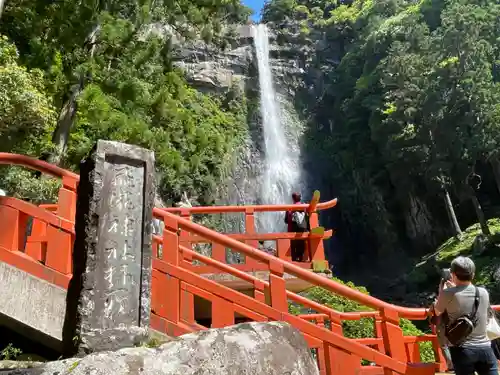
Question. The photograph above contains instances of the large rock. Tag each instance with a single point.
(210, 69)
(273, 348)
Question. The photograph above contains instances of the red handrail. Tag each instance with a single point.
(336, 340)
(254, 208)
(44, 215)
(327, 311)
(290, 268)
(36, 164)
(53, 170)
(387, 314)
(345, 291)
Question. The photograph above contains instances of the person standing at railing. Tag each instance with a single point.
(467, 308)
(441, 321)
(297, 222)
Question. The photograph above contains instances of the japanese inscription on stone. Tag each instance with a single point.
(121, 241)
(109, 296)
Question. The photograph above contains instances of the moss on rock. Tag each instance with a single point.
(424, 278)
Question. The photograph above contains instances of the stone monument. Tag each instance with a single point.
(108, 303)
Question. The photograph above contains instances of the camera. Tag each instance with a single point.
(446, 274)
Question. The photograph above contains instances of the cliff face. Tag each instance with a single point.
(406, 225)
(216, 70)
(213, 69)
(210, 68)
(302, 68)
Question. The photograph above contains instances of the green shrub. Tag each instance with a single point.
(10, 353)
(363, 328)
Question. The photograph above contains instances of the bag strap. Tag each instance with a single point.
(475, 306)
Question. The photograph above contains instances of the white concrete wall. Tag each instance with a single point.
(32, 301)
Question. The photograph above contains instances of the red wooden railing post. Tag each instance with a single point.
(183, 234)
(59, 250)
(259, 291)
(392, 336)
(377, 328)
(250, 226)
(187, 306)
(66, 201)
(277, 286)
(283, 249)
(315, 247)
(320, 321)
(14, 223)
(36, 244)
(438, 353)
(219, 252)
(222, 313)
(250, 229)
(171, 254)
(338, 361)
(60, 243)
(413, 352)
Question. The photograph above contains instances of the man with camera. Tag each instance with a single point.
(466, 307)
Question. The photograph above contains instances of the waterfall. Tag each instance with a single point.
(281, 175)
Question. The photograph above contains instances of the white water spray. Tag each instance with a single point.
(282, 171)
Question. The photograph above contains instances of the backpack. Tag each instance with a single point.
(460, 329)
(299, 219)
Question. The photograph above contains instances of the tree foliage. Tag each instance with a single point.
(75, 72)
(26, 111)
(403, 108)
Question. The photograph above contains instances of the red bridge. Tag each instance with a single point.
(193, 292)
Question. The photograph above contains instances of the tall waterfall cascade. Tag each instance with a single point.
(282, 171)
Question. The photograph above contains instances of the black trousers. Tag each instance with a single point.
(298, 249)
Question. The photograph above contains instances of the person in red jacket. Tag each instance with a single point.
(297, 246)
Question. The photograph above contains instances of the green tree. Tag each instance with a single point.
(26, 111)
(403, 105)
(78, 30)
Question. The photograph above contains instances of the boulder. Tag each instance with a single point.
(274, 348)
(479, 245)
(8, 365)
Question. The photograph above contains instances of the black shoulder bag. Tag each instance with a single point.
(460, 329)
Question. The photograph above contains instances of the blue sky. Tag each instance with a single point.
(256, 5)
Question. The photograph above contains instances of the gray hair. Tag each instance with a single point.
(464, 268)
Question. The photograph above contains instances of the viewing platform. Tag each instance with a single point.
(314, 257)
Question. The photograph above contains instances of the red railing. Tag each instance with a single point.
(174, 288)
(51, 239)
(177, 286)
(66, 208)
(314, 238)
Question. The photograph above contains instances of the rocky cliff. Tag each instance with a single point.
(233, 67)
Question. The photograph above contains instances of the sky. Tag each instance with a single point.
(256, 5)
